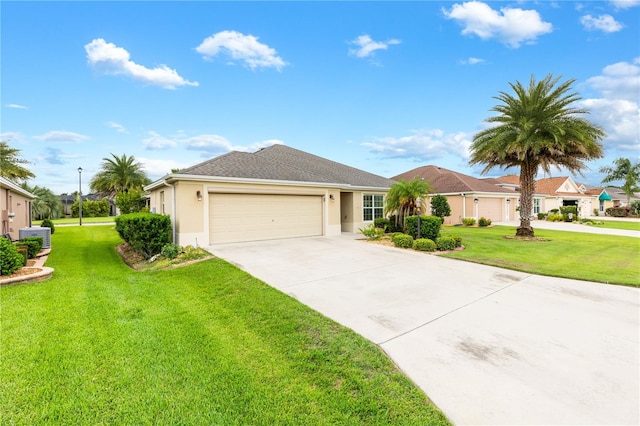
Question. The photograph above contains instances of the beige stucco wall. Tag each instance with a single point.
(192, 216)
(16, 205)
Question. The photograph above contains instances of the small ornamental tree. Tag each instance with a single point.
(440, 206)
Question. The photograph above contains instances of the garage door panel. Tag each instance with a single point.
(252, 217)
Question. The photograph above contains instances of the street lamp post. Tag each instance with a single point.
(80, 194)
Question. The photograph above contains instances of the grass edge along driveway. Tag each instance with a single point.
(578, 255)
(208, 344)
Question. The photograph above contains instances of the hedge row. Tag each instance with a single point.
(146, 233)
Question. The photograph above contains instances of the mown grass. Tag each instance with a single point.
(583, 256)
(206, 344)
(76, 221)
(613, 224)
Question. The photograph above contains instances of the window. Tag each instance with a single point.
(162, 202)
(372, 207)
(536, 205)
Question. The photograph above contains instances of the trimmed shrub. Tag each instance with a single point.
(402, 240)
(542, 216)
(483, 221)
(617, 211)
(10, 259)
(91, 208)
(381, 222)
(457, 239)
(131, 202)
(440, 206)
(372, 232)
(429, 226)
(468, 221)
(569, 213)
(555, 217)
(34, 245)
(446, 243)
(146, 233)
(47, 223)
(171, 251)
(424, 244)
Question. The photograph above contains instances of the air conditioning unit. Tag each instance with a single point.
(37, 231)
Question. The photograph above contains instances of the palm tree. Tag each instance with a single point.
(625, 171)
(118, 174)
(404, 198)
(536, 129)
(46, 205)
(10, 167)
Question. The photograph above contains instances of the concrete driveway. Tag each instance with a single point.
(488, 346)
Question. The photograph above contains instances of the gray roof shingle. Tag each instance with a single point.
(283, 163)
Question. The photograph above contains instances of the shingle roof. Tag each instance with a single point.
(446, 181)
(283, 163)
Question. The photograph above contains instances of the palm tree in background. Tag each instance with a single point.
(404, 198)
(10, 164)
(537, 128)
(118, 174)
(46, 205)
(626, 172)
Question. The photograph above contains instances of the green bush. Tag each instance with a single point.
(555, 217)
(542, 216)
(382, 223)
(554, 211)
(457, 239)
(34, 245)
(468, 221)
(371, 232)
(131, 202)
(424, 244)
(569, 213)
(429, 226)
(617, 211)
(402, 240)
(91, 208)
(47, 223)
(483, 221)
(10, 259)
(171, 251)
(146, 233)
(393, 226)
(446, 243)
(596, 212)
(440, 206)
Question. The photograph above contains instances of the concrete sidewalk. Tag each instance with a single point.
(488, 346)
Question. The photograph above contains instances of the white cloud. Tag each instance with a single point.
(11, 136)
(156, 141)
(16, 106)
(158, 168)
(115, 60)
(472, 61)
(604, 23)
(243, 48)
(619, 81)
(618, 108)
(624, 4)
(62, 136)
(422, 145)
(118, 127)
(512, 26)
(366, 46)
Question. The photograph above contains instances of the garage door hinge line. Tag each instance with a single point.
(452, 311)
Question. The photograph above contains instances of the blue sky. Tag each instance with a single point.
(381, 86)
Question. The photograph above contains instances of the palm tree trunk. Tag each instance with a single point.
(527, 189)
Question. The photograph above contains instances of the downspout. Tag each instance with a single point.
(173, 209)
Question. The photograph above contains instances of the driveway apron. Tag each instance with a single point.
(487, 345)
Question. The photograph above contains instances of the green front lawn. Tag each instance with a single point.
(206, 344)
(631, 225)
(583, 256)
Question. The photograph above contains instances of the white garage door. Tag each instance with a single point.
(253, 217)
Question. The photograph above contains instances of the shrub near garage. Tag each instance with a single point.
(429, 226)
(10, 259)
(146, 233)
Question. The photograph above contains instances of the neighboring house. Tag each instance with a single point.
(618, 198)
(15, 207)
(276, 192)
(555, 192)
(467, 196)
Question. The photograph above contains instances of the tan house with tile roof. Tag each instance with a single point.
(467, 196)
(276, 192)
(555, 192)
